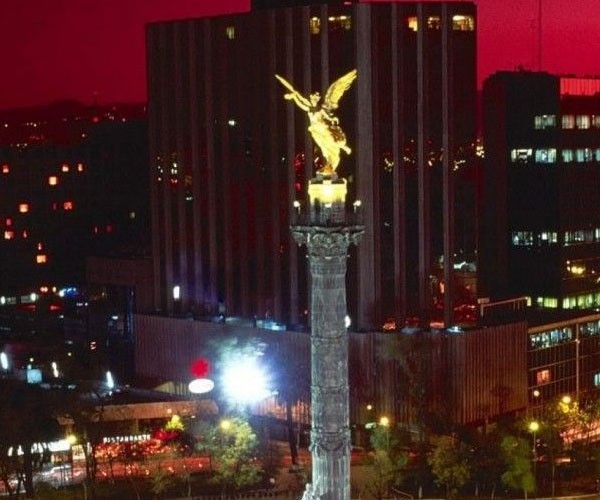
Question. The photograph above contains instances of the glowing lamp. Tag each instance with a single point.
(327, 198)
(201, 385)
(245, 382)
(4, 361)
(327, 191)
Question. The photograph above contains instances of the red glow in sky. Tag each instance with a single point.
(75, 49)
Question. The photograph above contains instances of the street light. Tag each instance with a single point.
(385, 422)
(565, 403)
(245, 382)
(534, 426)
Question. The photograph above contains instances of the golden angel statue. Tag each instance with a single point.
(324, 125)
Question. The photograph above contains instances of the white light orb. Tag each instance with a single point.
(201, 385)
(245, 382)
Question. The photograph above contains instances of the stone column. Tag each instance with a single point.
(327, 234)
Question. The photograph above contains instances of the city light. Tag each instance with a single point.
(110, 382)
(201, 385)
(4, 361)
(245, 382)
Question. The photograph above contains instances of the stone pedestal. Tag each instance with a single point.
(327, 236)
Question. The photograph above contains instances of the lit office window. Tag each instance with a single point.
(64, 167)
(41, 258)
(314, 25)
(9, 235)
(597, 154)
(230, 32)
(579, 236)
(582, 121)
(542, 377)
(548, 237)
(597, 379)
(596, 121)
(568, 121)
(52, 180)
(5, 168)
(567, 155)
(340, 23)
(522, 238)
(542, 122)
(463, 23)
(176, 292)
(68, 205)
(23, 208)
(583, 155)
(434, 22)
(413, 23)
(522, 155)
(545, 155)
(589, 329)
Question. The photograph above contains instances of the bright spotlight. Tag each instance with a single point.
(4, 361)
(110, 381)
(245, 382)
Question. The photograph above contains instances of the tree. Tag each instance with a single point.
(293, 385)
(386, 462)
(84, 406)
(28, 412)
(487, 461)
(585, 422)
(449, 461)
(517, 457)
(413, 351)
(558, 417)
(234, 444)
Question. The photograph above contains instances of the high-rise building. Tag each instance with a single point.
(541, 229)
(70, 187)
(229, 156)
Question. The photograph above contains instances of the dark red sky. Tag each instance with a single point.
(56, 49)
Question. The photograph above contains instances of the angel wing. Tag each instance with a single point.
(336, 90)
(302, 100)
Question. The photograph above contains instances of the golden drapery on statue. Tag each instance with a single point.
(324, 125)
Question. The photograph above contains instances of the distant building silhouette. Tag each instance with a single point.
(72, 184)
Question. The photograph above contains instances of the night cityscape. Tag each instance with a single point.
(299, 249)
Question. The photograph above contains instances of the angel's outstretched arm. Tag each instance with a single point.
(298, 99)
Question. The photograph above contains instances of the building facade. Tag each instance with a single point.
(563, 359)
(72, 185)
(454, 377)
(541, 231)
(229, 156)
